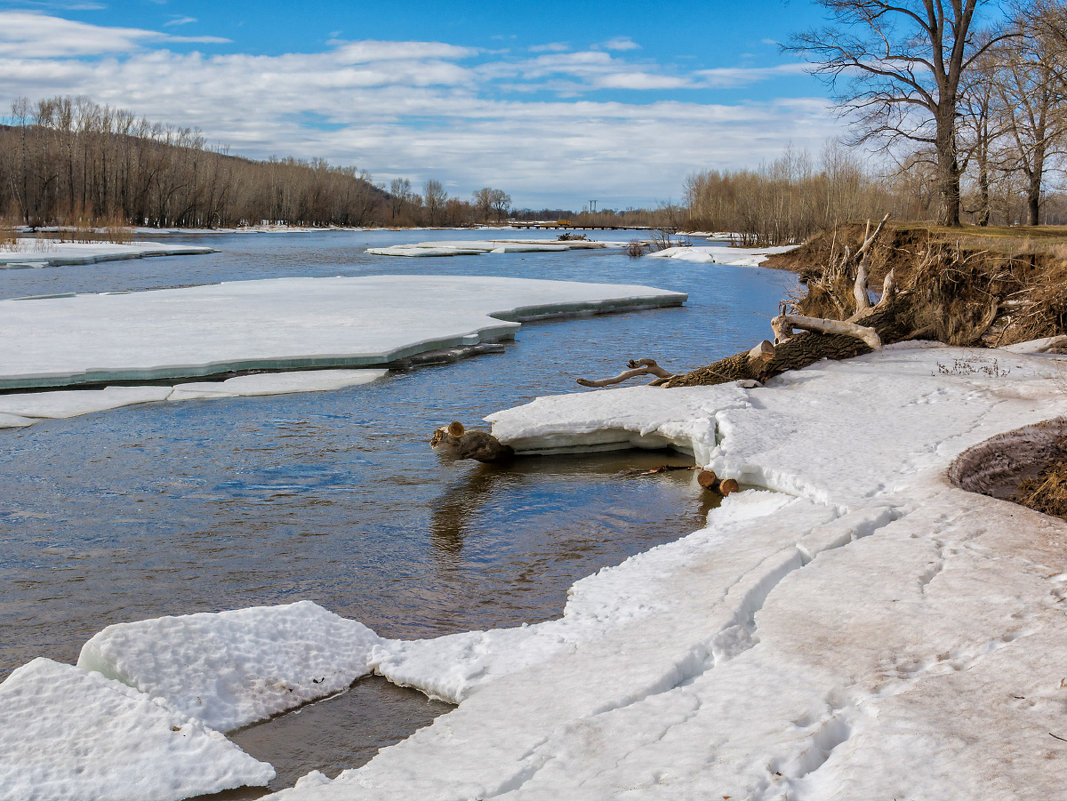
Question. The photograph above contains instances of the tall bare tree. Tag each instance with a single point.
(898, 67)
(433, 198)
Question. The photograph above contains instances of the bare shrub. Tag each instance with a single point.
(635, 248)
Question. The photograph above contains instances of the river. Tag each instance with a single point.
(335, 496)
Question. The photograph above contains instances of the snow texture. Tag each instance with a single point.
(280, 324)
(475, 247)
(30, 253)
(26, 408)
(69, 735)
(741, 257)
(230, 669)
(861, 628)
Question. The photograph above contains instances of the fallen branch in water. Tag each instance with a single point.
(637, 367)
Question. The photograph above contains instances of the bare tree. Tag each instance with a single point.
(898, 67)
(434, 197)
(1030, 85)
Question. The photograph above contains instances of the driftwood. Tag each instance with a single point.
(637, 367)
(709, 481)
(455, 442)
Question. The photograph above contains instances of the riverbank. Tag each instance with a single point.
(850, 625)
(857, 628)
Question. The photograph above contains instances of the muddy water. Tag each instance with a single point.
(336, 497)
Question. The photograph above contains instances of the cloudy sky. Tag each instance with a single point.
(555, 102)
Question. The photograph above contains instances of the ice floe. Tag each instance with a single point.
(741, 257)
(280, 324)
(860, 629)
(230, 669)
(29, 253)
(20, 409)
(69, 735)
(475, 247)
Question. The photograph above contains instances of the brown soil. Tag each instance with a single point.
(1027, 466)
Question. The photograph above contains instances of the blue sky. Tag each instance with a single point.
(553, 102)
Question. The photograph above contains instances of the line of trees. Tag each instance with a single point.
(70, 161)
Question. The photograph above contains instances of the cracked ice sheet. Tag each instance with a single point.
(883, 637)
(69, 735)
(282, 323)
(230, 669)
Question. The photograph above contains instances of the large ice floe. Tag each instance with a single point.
(29, 253)
(741, 257)
(853, 626)
(280, 324)
(475, 247)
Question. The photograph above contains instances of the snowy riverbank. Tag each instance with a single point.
(857, 628)
(29, 253)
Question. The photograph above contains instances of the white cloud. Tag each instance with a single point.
(32, 35)
(619, 43)
(180, 21)
(427, 109)
(734, 77)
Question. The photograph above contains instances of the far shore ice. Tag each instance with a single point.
(29, 253)
(851, 625)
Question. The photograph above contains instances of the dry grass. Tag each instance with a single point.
(1046, 492)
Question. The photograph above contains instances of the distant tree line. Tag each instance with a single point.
(72, 162)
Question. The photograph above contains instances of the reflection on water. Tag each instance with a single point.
(335, 496)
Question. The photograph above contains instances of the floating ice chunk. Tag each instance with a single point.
(230, 669)
(15, 421)
(46, 253)
(275, 384)
(71, 403)
(66, 734)
(280, 324)
(741, 257)
(472, 248)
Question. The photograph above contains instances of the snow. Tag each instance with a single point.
(860, 628)
(741, 257)
(230, 669)
(69, 735)
(26, 408)
(280, 324)
(475, 247)
(29, 253)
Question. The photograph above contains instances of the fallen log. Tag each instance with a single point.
(709, 481)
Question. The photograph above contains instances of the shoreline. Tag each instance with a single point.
(833, 632)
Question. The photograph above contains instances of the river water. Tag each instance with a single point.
(336, 496)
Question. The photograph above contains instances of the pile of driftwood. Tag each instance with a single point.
(801, 340)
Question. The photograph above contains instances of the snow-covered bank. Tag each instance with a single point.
(29, 253)
(741, 257)
(21, 409)
(861, 629)
(278, 324)
(474, 247)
